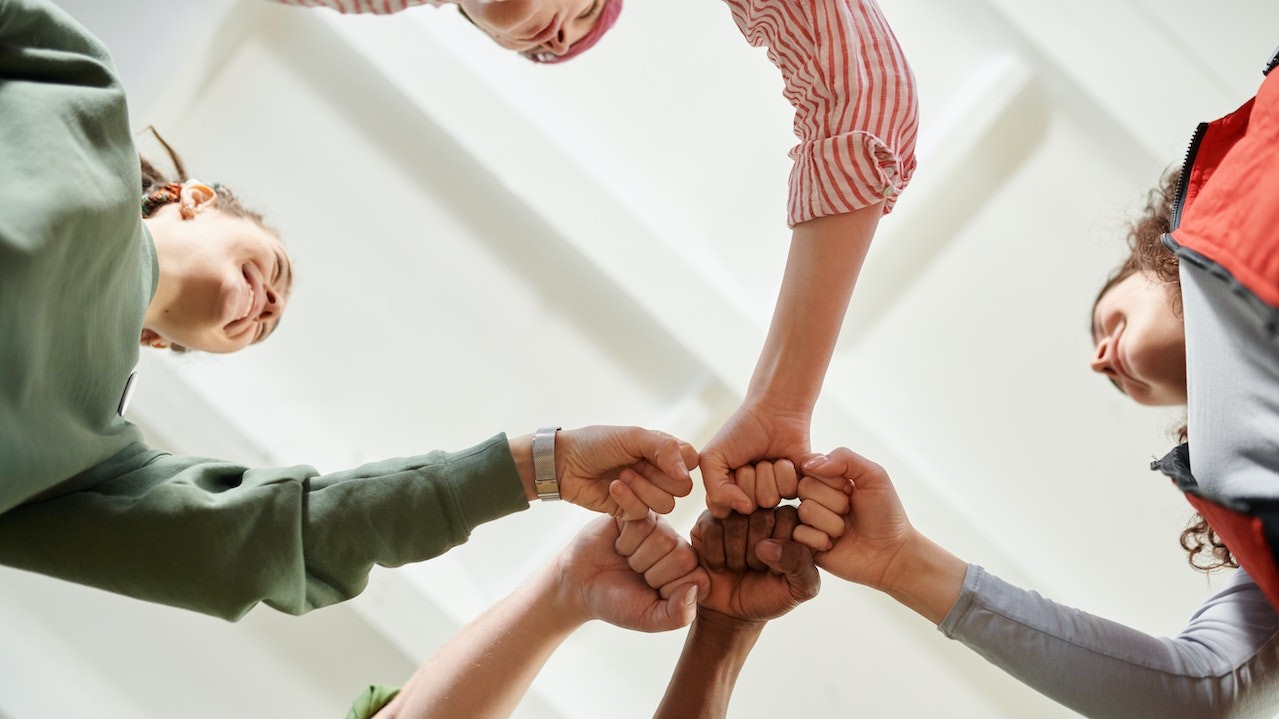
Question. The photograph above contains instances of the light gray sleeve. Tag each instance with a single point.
(1224, 663)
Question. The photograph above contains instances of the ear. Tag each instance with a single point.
(195, 197)
(151, 338)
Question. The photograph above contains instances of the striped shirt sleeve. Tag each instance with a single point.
(376, 7)
(856, 111)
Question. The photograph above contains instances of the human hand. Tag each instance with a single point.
(869, 532)
(824, 502)
(595, 581)
(757, 572)
(754, 432)
(654, 465)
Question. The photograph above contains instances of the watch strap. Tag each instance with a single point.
(544, 479)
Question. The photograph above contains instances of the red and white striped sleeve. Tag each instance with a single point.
(856, 111)
(376, 7)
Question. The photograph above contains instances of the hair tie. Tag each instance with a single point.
(171, 192)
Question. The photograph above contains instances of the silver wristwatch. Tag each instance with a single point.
(544, 480)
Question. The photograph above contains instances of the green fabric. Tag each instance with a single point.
(82, 498)
(370, 701)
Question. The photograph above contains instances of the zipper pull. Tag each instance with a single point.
(1274, 60)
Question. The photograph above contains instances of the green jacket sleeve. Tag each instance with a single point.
(218, 538)
(371, 701)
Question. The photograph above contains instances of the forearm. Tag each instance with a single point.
(219, 538)
(486, 668)
(1225, 663)
(826, 255)
(714, 652)
(926, 578)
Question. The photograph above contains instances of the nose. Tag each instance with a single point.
(274, 305)
(557, 43)
(1101, 361)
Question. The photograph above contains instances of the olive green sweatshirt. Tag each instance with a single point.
(81, 496)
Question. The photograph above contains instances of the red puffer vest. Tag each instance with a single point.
(1226, 219)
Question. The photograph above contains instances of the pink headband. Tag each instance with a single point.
(608, 16)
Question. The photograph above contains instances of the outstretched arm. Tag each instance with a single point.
(826, 256)
(757, 573)
(856, 120)
(1222, 664)
(487, 667)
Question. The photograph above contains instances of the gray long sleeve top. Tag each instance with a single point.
(1224, 663)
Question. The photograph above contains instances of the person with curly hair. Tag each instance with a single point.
(99, 254)
(1225, 662)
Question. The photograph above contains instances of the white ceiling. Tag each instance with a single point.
(483, 245)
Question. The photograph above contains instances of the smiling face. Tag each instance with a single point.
(224, 280)
(1140, 340)
(535, 27)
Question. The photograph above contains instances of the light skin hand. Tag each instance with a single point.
(598, 582)
(879, 547)
(485, 669)
(826, 255)
(823, 504)
(753, 433)
(654, 550)
(654, 464)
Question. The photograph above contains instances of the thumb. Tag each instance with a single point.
(722, 493)
(793, 561)
(676, 612)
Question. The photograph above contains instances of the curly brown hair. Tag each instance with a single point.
(1146, 249)
(1147, 253)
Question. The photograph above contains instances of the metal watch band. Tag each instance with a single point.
(544, 481)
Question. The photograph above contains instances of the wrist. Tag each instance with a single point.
(526, 449)
(562, 607)
(729, 628)
(522, 453)
(926, 578)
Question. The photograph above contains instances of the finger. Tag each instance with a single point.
(667, 454)
(656, 545)
(677, 563)
(634, 532)
(816, 490)
(814, 539)
(767, 495)
(759, 527)
(822, 519)
(688, 453)
(793, 561)
(640, 479)
(842, 462)
(707, 538)
(722, 494)
(698, 578)
(785, 520)
(745, 478)
(735, 534)
(629, 505)
(787, 478)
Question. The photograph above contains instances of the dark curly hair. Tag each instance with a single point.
(1147, 253)
(158, 189)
